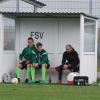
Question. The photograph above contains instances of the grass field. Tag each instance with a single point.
(48, 92)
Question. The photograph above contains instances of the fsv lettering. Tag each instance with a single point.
(37, 35)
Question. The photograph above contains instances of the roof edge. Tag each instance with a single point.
(49, 13)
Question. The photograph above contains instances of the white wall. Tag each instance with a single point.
(57, 32)
(8, 62)
(7, 58)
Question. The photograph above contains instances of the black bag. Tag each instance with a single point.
(81, 80)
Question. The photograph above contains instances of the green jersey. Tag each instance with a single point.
(40, 57)
(27, 53)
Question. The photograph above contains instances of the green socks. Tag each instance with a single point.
(31, 70)
(17, 72)
(28, 72)
(33, 73)
(43, 73)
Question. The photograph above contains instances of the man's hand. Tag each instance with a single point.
(69, 65)
(65, 66)
(27, 62)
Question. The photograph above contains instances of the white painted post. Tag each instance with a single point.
(17, 44)
(96, 45)
(1, 44)
(81, 40)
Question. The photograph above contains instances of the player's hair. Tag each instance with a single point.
(39, 44)
(70, 46)
(30, 38)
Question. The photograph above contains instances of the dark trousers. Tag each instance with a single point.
(60, 70)
(60, 73)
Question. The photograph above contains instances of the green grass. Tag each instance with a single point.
(48, 92)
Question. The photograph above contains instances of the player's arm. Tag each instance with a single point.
(34, 56)
(64, 58)
(45, 58)
(22, 55)
(75, 61)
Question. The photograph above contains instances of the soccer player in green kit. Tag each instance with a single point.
(40, 61)
(26, 58)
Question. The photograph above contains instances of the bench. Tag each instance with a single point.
(51, 74)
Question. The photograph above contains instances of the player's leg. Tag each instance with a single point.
(43, 77)
(28, 73)
(60, 73)
(33, 68)
(18, 67)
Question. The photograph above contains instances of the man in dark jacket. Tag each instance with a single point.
(70, 61)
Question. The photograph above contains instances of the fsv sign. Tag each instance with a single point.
(37, 35)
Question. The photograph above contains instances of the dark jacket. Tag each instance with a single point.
(70, 58)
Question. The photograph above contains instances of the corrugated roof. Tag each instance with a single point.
(47, 14)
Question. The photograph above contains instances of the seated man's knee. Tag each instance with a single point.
(19, 65)
(28, 65)
(44, 65)
(35, 65)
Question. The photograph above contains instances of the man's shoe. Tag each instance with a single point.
(26, 81)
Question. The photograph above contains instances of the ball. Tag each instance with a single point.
(14, 81)
(70, 77)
